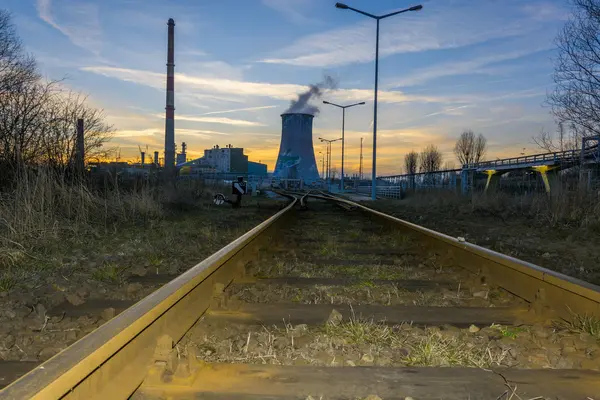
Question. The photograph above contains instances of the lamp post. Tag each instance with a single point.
(322, 163)
(377, 18)
(329, 157)
(343, 124)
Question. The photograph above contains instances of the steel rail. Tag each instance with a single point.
(112, 361)
(549, 292)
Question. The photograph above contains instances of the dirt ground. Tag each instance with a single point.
(80, 270)
(567, 248)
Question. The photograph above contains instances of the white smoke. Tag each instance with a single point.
(301, 104)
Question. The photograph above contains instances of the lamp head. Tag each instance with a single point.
(325, 102)
(341, 5)
(362, 103)
(415, 8)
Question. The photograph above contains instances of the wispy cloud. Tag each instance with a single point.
(443, 26)
(239, 109)
(473, 66)
(279, 91)
(80, 22)
(217, 120)
(291, 9)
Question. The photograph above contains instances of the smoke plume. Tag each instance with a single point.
(301, 104)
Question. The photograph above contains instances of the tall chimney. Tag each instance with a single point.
(156, 158)
(80, 148)
(170, 109)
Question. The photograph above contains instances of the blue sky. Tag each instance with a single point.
(457, 64)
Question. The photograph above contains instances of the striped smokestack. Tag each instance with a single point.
(170, 109)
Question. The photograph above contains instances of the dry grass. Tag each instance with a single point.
(583, 324)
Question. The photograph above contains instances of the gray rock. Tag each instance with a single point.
(139, 271)
(75, 299)
(8, 342)
(474, 329)
(335, 317)
(350, 363)
(368, 358)
(82, 292)
(481, 294)
(568, 350)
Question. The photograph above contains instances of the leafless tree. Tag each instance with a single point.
(567, 137)
(576, 98)
(470, 148)
(16, 67)
(59, 143)
(411, 162)
(430, 159)
(37, 117)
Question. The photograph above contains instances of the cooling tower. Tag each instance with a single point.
(296, 158)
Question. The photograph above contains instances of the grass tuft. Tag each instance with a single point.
(583, 324)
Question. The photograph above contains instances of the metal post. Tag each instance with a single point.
(343, 123)
(374, 172)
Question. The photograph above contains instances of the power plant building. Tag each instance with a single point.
(296, 159)
(226, 159)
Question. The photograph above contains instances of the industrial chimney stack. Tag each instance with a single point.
(170, 109)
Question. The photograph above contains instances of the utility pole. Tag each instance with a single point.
(360, 168)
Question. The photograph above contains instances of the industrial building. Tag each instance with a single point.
(226, 160)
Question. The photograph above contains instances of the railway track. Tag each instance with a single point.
(328, 299)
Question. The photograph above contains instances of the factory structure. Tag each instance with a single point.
(224, 160)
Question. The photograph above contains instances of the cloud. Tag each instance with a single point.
(291, 9)
(450, 24)
(217, 120)
(279, 91)
(136, 133)
(473, 66)
(239, 109)
(81, 22)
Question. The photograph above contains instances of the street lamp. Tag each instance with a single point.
(343, 124)
(329, 157)
(377, 18)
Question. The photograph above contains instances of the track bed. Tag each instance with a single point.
(340, 306)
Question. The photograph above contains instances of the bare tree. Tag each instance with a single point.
(16, 67)
(430, 159)
(470, 148)
(576, 97)
(38, 118)
(60, 141)
(567, 137)
(411, 161)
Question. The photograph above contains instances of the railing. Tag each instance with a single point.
(388, 192)
(556, 157)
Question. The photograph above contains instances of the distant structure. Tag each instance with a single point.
(170, 108)
(360, 168)
(182, 157)
(156, 158)
(225, 160)
(296, 159)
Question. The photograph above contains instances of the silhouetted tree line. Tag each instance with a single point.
(38, 117)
